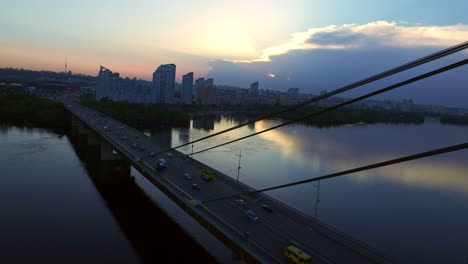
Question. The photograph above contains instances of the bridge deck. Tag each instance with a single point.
(266, 239)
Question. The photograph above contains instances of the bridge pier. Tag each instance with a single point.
(75, 121)
(113, 168)
(108, 153)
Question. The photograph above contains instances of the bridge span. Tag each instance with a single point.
(262, 241)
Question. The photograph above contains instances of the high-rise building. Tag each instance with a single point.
(199, 84)
(105, 86)
(187, 86)
(253, 91)
(109, 85)
(164, 84)
(209, 92)
(293, 95)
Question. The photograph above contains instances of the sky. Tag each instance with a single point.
(312, 45)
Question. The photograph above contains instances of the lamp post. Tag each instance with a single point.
(317, 198)
(239, 166)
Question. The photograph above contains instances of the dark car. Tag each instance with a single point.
(267, 208)
(196, 186)
(161, 164)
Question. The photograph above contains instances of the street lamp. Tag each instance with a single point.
(239, 166)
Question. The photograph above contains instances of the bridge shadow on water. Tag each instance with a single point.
(155, 237)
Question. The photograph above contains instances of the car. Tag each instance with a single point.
(267, 208)
(250, 214)
(151, 154)
(134, 145)
(240, 200)
(169, 155)
(142, 147)
(187, 176)
(207, 175)
(195, 186)
(161, 164)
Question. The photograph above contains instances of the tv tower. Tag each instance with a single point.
(65, 64)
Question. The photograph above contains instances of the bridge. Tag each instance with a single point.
(261, 241)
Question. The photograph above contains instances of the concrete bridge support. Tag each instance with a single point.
(108, 153)
(115, 168)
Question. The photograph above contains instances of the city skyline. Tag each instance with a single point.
(315, 51)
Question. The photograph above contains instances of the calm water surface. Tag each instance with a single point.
(61, 204)
(50, 210)
(416, 212)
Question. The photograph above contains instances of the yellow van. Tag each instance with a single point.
(297, 255)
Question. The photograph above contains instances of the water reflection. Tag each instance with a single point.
(396, 209)
(50, 209)
(150, 231)
(320, 152)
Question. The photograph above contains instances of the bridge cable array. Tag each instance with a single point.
(386, 89)
(345, 172)
(404, 67)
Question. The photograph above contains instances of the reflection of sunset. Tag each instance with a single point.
(327, 154)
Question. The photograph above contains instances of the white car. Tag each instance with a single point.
(188, 177)
(250, 214)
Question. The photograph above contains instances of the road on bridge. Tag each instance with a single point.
(270, 234)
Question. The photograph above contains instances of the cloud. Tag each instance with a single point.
(376, 33)
(341, 37)
(330, 57)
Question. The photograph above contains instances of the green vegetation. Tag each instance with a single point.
(350, 116)
(151, 116)
(140, 116)
(23, 109)
(456, 120)
(335, 117)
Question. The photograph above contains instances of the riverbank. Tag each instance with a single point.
(337, 117)
(454, 120)
(25, 110)
(141, 116)
(150, 116)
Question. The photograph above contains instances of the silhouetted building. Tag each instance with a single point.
(164, 84)
(109, 85)
(209, 92)
(253, 91)
(293, 95)
(187, 87)
(199, 84)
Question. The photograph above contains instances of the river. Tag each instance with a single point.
(61, 204)
(415, 212)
